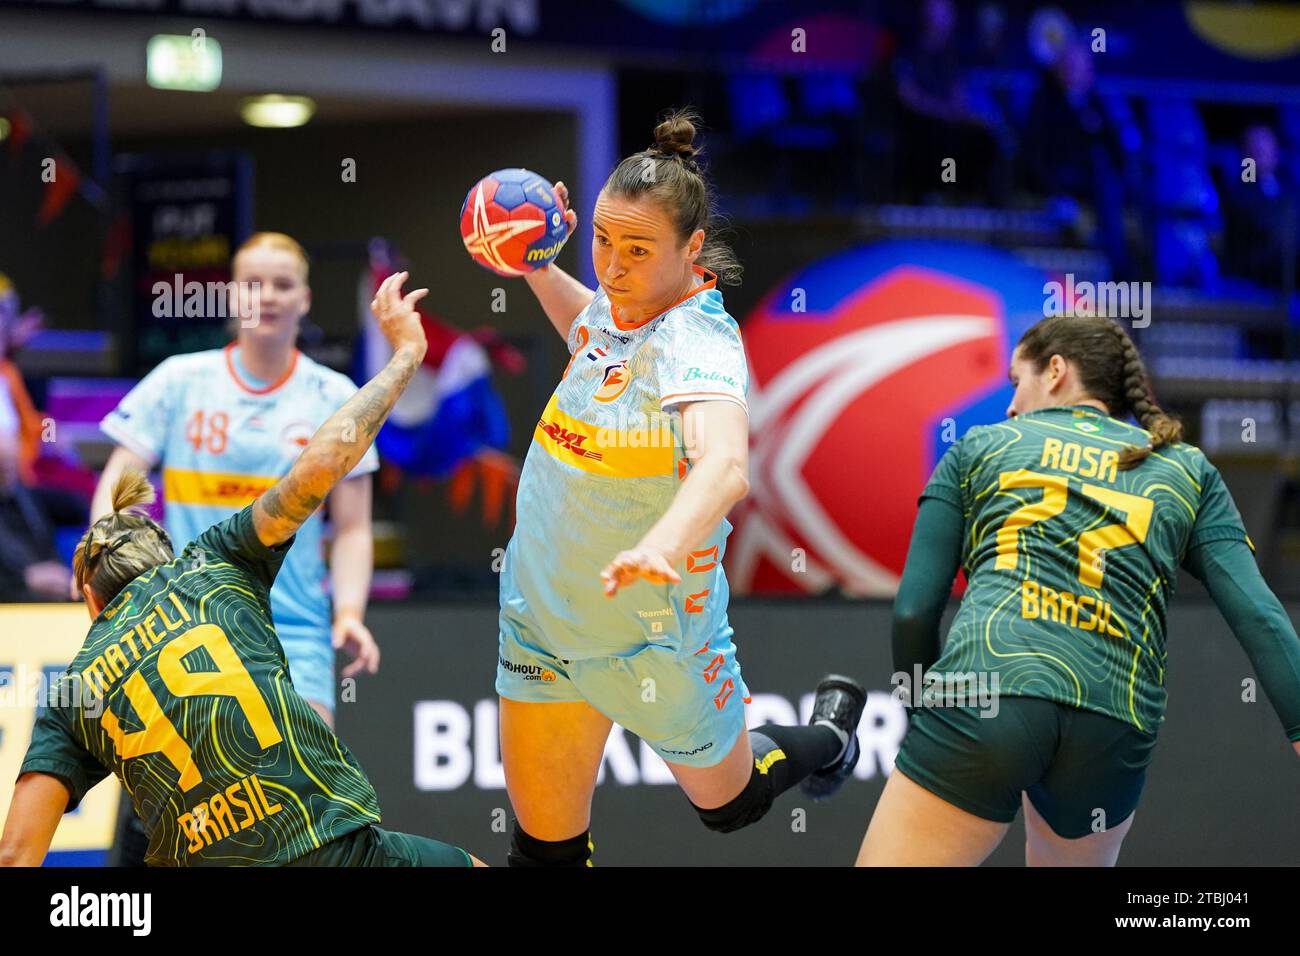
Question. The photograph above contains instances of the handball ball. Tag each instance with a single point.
(512, 222)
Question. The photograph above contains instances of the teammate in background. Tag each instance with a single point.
(638, 457)
(225, 424)
(1071, 525)
(182, 689)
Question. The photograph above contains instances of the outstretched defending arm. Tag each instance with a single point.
(339, 444)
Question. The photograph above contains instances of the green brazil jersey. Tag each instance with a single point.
(1071, 562)
(182, 691)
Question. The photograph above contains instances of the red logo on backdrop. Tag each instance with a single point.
(844, 405)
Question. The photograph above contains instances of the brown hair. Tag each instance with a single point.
(279, 242)
(1110, 370)
(668, 174)
(123, 545)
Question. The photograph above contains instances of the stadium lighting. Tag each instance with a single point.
(191, 63)
(274, 111)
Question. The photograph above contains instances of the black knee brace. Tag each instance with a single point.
(749, 806)
(526, 850)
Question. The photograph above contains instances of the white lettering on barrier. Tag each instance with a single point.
(442, 757)
(488, 772)
(452, 745)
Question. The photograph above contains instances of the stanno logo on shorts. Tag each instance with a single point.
(689, 753)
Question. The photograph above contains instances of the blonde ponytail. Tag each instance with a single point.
(131, 490)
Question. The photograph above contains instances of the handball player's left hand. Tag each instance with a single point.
(630, 566)
(355, 638)
(570, 217)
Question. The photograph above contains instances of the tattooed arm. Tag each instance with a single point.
(339, 444)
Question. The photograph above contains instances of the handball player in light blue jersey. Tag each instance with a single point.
(613, 596)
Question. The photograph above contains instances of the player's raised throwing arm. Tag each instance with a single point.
(339, 444)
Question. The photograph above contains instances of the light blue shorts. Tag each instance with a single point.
(310, 653)
(687, 704)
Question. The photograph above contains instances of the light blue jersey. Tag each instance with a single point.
(607, 458)
(222, 440)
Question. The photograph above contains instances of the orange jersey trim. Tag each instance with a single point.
(267, 389)
(700, 271)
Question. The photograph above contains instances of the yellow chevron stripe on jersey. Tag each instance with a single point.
(184, 487)
(612, 452)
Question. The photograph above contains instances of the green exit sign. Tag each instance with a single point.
(184, 62)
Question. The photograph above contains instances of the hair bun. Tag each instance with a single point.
(676, 134)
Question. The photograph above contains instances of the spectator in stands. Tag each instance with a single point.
(1071, 148)
(1260, 214)
(31, 502)
(30, 569)
(16, 328)
(936, 120)
(56, 485)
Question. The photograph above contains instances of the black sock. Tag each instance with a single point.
(805, 750)
(526, 850)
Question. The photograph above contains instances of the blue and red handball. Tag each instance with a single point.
(513, 222)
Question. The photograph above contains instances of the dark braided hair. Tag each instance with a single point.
(669, 174)
(121, 546)
(1110, 370)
